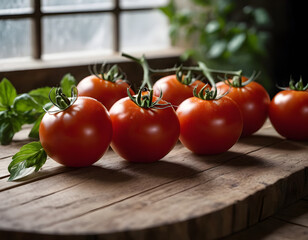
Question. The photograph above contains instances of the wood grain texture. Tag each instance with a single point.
(290, 222)
(183, 196)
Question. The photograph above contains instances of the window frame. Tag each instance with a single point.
(36, 16)
(38, 72)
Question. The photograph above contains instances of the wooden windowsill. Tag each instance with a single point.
(78, 59)
(28, 74)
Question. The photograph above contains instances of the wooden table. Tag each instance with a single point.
(183, 196)
(289, 223)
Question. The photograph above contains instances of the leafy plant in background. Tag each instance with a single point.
(27, 108)
(223, 33)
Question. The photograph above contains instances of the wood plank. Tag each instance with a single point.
(290, 222)
(183, 196)
(205, 190)
(263, 138)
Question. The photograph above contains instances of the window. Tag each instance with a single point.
(44, 29)
(41, 40)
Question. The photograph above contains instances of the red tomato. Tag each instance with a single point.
(209, 126)
(288, 113)
(106, 92)
(77, 136)
(143, 134)
(253, 101)
(174, 91)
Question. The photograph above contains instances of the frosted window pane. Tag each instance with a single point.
(15, 6)
(75, 33)
(142, 3)
(15, 38)
(71, 5)
(144, 30)
(9, 4)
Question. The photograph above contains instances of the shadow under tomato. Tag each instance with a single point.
(98, 173)
(163, 169)
(231, 159)
(260, 140)
(273, 142)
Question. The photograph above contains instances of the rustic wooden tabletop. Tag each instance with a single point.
(183, 196)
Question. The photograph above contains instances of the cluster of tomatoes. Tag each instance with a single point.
(145, 127)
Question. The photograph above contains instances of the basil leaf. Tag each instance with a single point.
(41, 95)
(30, 158)
(25, 103)
(34, 133)
(10, 123)
(66, 84)
(236, 42)
(27, 108)
(7, 93)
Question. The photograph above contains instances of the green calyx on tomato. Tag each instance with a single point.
(60, 100)
(108, 73)
(187, 79)
(205, 93)
(298, 86)
(237, 81)
(144, 99)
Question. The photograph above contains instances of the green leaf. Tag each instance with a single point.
(212, 26)
(7, 93)
(40, 95)
(224, 6)
(236, 42)
(202, 2)
(262, 17)
(66, 84)
(30, 158)
(27, 108)
(169, 10)
(10, 123)
(184, 17)
(34, 133)
(217, 49)
(187, 54)
(25, 103)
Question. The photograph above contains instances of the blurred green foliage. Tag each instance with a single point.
(224, 33)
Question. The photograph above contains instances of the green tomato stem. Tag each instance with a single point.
(203, 94)
(146, 69)
(60, 100)
(196, 69)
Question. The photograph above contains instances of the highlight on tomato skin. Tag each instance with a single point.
(209, 126)
(77, 136)
(253, 101)
(175, 91)
(104, 91)
(142, 134)
(107, 85)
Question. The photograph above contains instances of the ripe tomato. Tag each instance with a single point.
(143, 134)
(174, 91)
(209, 126)
(288, 113)
(107, 92)
(77, 136)
(253, 101)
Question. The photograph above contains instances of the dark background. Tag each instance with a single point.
(290, 40)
